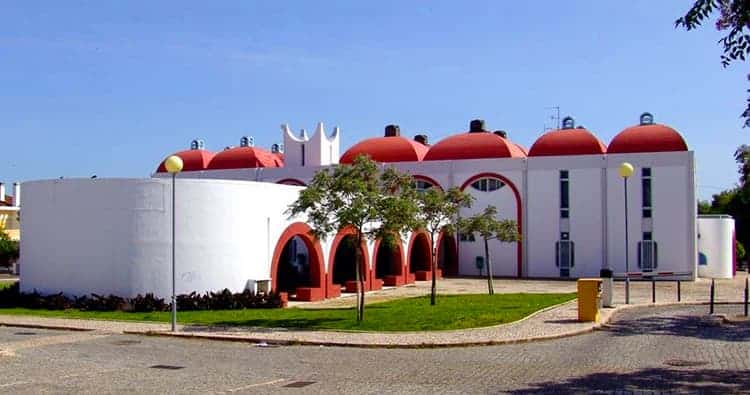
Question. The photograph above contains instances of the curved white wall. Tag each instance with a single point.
(716, 244)
(114, 235)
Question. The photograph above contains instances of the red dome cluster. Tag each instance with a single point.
(193, 159)
(647, 138)
(474, 145)
(244, 157)
(386, 149)
(567, 142)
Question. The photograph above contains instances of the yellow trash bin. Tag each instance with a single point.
(589, 299)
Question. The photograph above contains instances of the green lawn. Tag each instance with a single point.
(413, 314)
(6, 284)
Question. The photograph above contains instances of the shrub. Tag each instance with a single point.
(222, 300)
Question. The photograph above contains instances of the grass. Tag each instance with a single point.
(6, 284)
(412, 314)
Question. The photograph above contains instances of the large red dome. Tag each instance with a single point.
(244, 157)
(386, 149)
(647, 137)
(577, 141)
(193, 159)
(474, 146)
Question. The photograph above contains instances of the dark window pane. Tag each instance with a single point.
(563, 174)
(646, 192)
(564, 213)
(646, 172)
(564, 194)
(647, 236)
(646, 213)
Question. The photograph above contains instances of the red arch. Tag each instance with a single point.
(317, 271)
(519, 211)
(454, 265)
(292, 181)
(412, 240)
(427, 179)
(398, 246)
(348, 231)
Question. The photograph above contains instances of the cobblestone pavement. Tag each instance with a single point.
(678, 349)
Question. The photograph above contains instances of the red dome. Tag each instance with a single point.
(244, 157)
(522, 148)
(647, 138)
(567, 142)
(474, 146)
(386, 149)
(194, 159)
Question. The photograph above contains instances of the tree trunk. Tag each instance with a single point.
(358, 275)
(433, 265)
(489, 268)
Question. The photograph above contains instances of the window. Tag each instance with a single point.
(646, 192)
(466, 237)
(648, 254)
(421, 185)
(565, 254)
(487, 184)
(303, 154)
(564, 194)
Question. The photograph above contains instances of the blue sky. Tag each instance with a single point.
(110, 88)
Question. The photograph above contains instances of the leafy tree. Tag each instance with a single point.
(437, 211)
(742, 157)
(8, 249)
(375, 203)
(733, 17)
(490, 228)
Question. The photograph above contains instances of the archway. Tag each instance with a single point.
(389, 262)
(419, 256)
(297, 264)
(447, 254)
(342, 258)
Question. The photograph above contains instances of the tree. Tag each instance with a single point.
(437, 211)
(8, 249)
(359, 196)
(733, 18)
(489, 228)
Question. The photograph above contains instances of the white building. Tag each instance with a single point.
(113, 235)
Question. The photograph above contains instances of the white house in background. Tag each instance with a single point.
(112, 235)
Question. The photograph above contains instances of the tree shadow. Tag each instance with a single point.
(268, 325)
(701, 327)
(704, 381)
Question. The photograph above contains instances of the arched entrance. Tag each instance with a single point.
(447, 254)
(389, 262)
(341, 268)
(297, 265)
(419, 256)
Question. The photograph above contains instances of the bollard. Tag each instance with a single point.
(746, 296)
(653, 290)
(679, 296)
(711, 302)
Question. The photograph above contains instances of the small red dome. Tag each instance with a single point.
(244, 157)
(386, 149)
(474, 146)
(567, 142)
(647, 138)
(193, 159)
(522, 148)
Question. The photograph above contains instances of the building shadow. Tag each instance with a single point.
(701, 327)
(657, 380)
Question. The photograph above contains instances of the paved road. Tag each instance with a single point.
(675, 348)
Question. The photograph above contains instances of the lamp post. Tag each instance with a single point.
(174, 166)
(626, 170)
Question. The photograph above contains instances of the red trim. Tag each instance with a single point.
(451, 270)
(400, 257)
(348, 231)
(519, 211)
(317, 272)
(427, 179)
(412, 241)
(292, 181)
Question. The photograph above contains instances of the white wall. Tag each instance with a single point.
(114, 235)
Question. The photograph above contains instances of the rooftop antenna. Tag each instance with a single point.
(554, 117)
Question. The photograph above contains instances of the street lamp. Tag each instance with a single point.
(174, 166)
(626, 170)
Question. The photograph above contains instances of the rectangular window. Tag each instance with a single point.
(646, 172)
(646, 183)
(564, 194)
(466, 237)
(303, 154)
(646, 202)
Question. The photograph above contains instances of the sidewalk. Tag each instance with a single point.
(555, 322)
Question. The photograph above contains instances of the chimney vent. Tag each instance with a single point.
(392, 131)
(421, 138)
(501, 133)
(247, 141)
(277, 148)
(197, 144)
(568, 123)
(476, 126)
